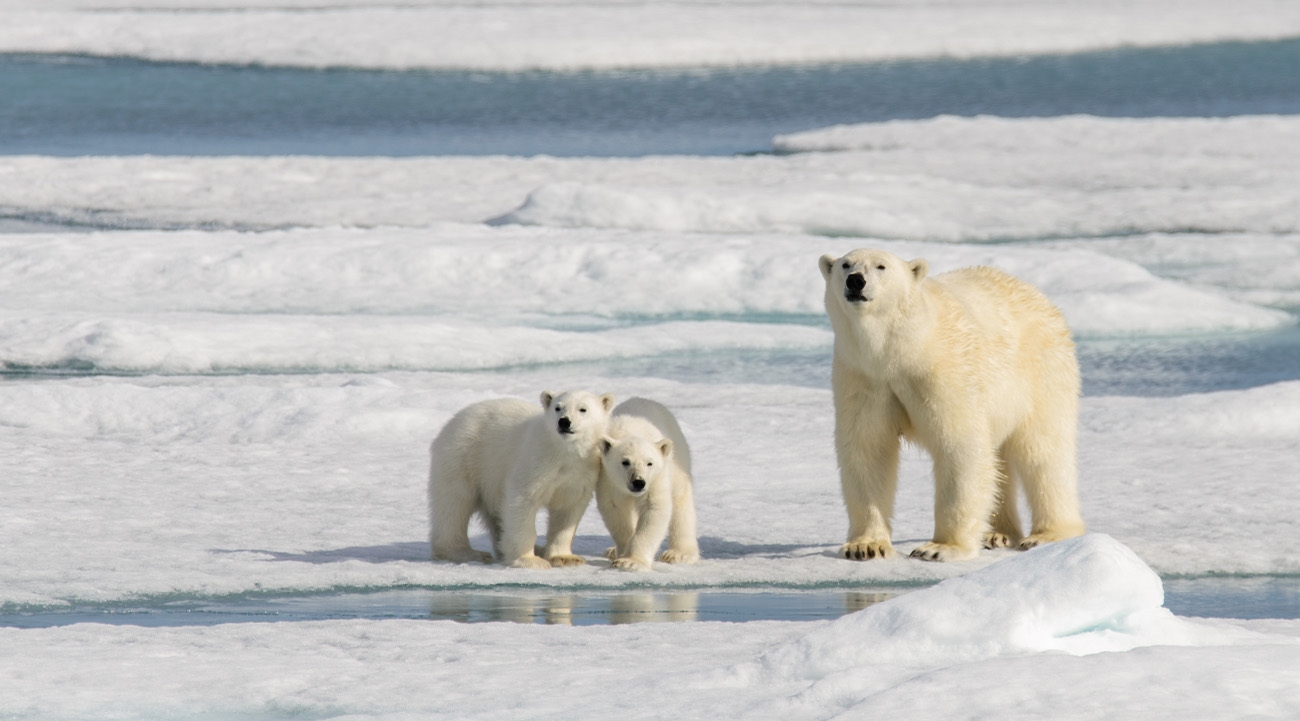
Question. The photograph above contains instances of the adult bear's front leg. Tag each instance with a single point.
(867, 446)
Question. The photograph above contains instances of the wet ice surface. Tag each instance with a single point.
(1226, 597)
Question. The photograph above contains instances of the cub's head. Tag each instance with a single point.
(634, 455)
(866, 280)
(578, 416)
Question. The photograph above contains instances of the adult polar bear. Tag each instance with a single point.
(506, 459)
(976, 367)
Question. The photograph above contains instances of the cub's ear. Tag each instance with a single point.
(606, 443)
(919, 268)
(607, 400)
(547, 397)
(826, 263)
(666, 447)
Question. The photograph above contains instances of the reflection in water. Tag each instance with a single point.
(1213, 596)
(569, 609)
(855, 601)
(656, 607)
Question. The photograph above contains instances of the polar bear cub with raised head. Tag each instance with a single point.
(506, 459)
(976, 367)
(644, 492)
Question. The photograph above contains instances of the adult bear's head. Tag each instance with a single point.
(866, 280)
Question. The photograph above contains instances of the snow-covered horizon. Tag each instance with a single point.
(566, 35)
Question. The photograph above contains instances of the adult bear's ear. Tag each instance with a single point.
(547, 397)
(666, 447)
(607, 400)
(919, 268)
(826, 263)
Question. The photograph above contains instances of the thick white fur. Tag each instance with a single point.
(506, 459)
(645, 444)
(976, 367)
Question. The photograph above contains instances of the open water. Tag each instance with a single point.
(1263, 597)
(74, 105)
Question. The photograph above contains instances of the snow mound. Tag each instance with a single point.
(1082, 596)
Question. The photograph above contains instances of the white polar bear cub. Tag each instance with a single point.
(976, 367)
(506, 459)
(645, 490)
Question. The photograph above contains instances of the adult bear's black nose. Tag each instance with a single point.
(636, 484)
(855, 283)
(565, 426)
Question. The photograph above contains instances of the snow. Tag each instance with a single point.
(221, 377)
(1040, 634)
(568, 35)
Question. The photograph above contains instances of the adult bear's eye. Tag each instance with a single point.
(880, 267)
(582, 410)
(626, 462)
(846, 266)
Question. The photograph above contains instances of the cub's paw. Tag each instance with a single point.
(530, 562)
(931, 551)
(611, 553)
(673, 555)
(628, 563)
(864, 550)
(566, 559)
(998, 540)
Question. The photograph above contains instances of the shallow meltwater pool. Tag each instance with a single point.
(1215, 597)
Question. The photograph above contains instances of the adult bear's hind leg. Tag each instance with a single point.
(1004, 526)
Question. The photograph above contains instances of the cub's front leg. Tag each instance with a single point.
(651, 528)
(519, 533)
(620, 519)
(683, 544)
(565, 512)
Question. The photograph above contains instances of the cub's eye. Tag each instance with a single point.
(626, 463)
(649, 464)
(846, 265)
(582, 410)
(880, 267)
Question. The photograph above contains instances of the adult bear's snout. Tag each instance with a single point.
(565, 425)
(636, 485)
(853, 286)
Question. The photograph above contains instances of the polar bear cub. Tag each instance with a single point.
(644, 492)
(976, 367)
(506, 459)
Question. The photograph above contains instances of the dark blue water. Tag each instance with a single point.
(1138, 366)
(1266, 597)
(70, 105)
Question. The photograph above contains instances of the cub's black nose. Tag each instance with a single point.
(565, 426)
(855, 282)
(637, 485)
